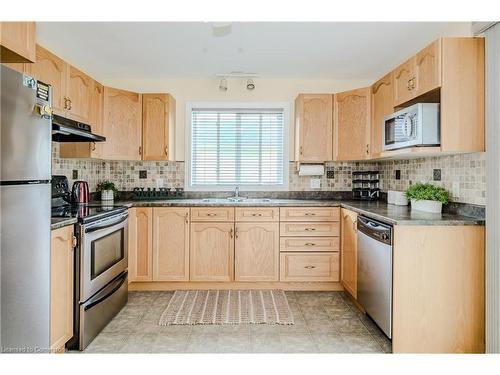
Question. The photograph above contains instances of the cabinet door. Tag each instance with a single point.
(61, 287)
(140, 246)
(404, 82)
(256, 252)
(158, 111)
(17, 43)
(349, 252)
(88, 149)
(382, 105)
(352, 121)
(212, 252)
(52, 70)
(171, 244)
(314, 127)
(79, 93)
(122, 124)
(428, 68)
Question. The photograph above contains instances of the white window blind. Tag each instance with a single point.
(237, 147)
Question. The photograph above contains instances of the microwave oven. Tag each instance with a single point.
(417, 125)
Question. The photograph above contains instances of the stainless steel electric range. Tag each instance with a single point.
(101, 282)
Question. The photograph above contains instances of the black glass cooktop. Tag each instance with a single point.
(86, 212)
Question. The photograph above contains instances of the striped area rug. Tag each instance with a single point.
(227, 307)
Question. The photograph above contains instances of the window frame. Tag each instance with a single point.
(237, 105)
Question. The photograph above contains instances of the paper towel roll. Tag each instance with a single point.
(311, 170)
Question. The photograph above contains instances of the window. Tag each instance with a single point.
(242, 146)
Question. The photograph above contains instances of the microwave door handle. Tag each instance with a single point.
(100, 227)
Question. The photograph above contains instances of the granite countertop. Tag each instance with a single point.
(396, 215)
(59, 222)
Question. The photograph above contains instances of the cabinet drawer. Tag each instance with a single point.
(212, 214)
(307, 244)
(256, 214)
(309, 267)
(310, 214)
(310, 229)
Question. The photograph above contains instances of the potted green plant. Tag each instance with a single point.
(427, 197)
(108, 190)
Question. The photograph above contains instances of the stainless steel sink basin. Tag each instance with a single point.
(236, 200)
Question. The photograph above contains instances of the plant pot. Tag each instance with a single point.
(426, 206)
(107, 195)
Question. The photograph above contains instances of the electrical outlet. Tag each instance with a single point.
(398, 174)
(143, 174)
(330, 174)
(75, 174)
(315, 183)
(436, 174)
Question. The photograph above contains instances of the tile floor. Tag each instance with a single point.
(325, 322)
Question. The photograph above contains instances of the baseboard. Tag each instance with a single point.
(196, 285)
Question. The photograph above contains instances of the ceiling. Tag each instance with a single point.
(334, 50)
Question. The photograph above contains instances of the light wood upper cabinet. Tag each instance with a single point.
(17, 42)
(256, 251)
(158, 124)
(349, 251)
(404, 82)
(88, 149)
(52, 70)
(382, 105)
(62, 257)
(428, 68)
(212, 251)
(171, 244)
(122, 124)
(313, 128)
(140, 244)
(79, 95)
(352, 124)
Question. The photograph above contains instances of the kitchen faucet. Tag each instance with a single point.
(237, 191)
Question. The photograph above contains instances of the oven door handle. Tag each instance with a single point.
(99, 227)
(106, 292)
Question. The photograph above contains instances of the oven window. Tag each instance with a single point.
(106, 251)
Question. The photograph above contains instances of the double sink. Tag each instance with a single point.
(237, 200)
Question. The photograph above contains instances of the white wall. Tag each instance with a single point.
(186, 90)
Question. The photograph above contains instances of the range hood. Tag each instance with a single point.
(66, 130)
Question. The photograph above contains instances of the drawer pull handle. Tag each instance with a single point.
(256, 214)
(310, 229)
(310, 267)
(211, 214)
(310, 214)
(310, 244)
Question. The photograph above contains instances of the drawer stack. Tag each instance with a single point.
(309, 243)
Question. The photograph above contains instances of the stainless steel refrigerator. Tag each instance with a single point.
(25, 213)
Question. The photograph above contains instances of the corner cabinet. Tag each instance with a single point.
(17, 42)
(352, 118)
(140, 244)
(349, 251)
(158, 125)
(313, 128)
(62, 258)
(122, 125)
(170, 244)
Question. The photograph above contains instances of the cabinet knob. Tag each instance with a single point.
(231, 233)
(310, 214)
(310, 229)
(211, 214)
(310, 267)
(140, 150)
(310, 244)
(69, 101)
(166, 151)
(74, 242)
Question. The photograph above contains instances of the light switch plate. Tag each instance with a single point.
(315, 183)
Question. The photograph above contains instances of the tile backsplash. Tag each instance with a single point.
(463, 175)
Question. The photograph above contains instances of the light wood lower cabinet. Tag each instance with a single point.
(140, 244)
(349, 251)
(309, 267)
(256, 252)
(212, 251)
(62, 257)
(171, 244)
(312, 229)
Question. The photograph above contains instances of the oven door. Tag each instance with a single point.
(104, 247)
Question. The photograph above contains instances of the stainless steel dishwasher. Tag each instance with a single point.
(375, 271)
